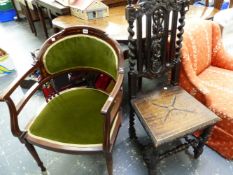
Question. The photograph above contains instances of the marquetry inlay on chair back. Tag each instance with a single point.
(82, 50)
(158, 28)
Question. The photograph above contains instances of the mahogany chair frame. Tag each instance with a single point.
(110, 109)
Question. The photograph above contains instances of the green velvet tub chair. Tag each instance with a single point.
(78, 119)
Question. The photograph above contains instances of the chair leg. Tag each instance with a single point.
(132, 131)
(34, 154)
(151, 158)
(50, 17)
(202, 140)
(108, 157)
(132, 93)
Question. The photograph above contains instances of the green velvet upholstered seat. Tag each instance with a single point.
(81, 51)
(73, 117)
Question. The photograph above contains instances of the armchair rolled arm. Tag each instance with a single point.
(191, 76)
(200, 88)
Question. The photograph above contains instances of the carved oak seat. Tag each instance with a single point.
(171, 113)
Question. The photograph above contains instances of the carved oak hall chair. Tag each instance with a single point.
(80, 119)
(167, 112)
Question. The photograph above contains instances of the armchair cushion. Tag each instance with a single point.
(73, 117)
(220, 84)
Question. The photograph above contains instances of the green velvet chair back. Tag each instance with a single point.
(81, 51)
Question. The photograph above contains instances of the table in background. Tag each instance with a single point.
(115, 25)
(53, 8)
(56, 9)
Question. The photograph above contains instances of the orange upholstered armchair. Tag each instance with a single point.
(207, 74)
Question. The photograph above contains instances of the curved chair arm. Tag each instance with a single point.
(111, 110)
(112, 96)
(191, 75)
(10, 89)
(14, 108)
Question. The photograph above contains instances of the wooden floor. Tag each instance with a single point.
(17, 39)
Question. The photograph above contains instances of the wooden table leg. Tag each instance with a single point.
(17, 14)
(42, 20)
(29, 18)
(50, 17)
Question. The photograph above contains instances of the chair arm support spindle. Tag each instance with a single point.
(10, 89)
(27, 96)
(14, 108)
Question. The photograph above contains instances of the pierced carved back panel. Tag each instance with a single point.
(158, 28)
